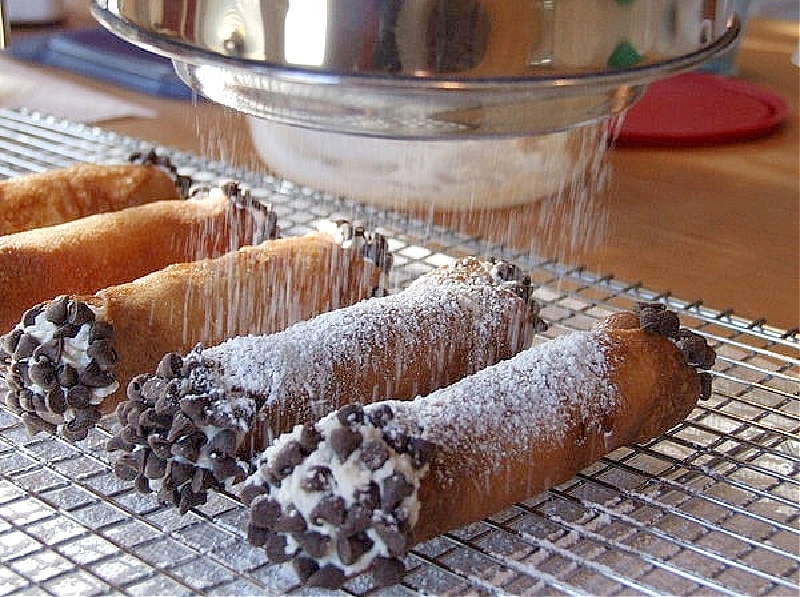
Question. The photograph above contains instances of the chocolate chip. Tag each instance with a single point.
(290, 522)
(285, 460)
(75, 431)
(394, 489)
(316, 478)
(226, 467)
(130, 435)
(79, 313)
(350, 549)
(695, 350)
(12, 403)
(130, 414)
(102, 353)
(177, 473)
(659, 321)
(705, 385)
(309, 438)
(327, 577)
(54, 401)
(188, 446)
(85, 418)
(304, 567)
(11, 340)
(397, 440)
(95, 376)
(275, 547)
(313, 543)
(374, 454)
(67, 376)
(134, 389)
(26, 399)
(251, 491)
(351, 414)
(43, 374)
(78, 397)
(330, 509)
(396, 542)
(421, 451)
(155, 467)
(379, 416)
(344, 441)
(67, 331)
(151, 419)
(182, 426)
(101, 330)
(116, 443)
(56, 310)
(170, 366)
(169, 402)
(387, 571)
(50, 350)
(193, 406)
(126, 468)
(223, 443)
(358, 518)
(202, 479)
(370, 497)
(35, 424)
(25, 347)
(257, 536)
(189, 499)
(29, 316)
(264, 512)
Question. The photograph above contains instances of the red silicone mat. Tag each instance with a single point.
(694, 109)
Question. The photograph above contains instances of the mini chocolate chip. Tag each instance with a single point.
(95, 376)
(257, 536)
(370, 497)
(658, 321)
(189, 499)
(29, 316)
(101, 330)
(290, 522)
(34, 424)
(134, 389)
(330, 509)
(126, 468)
(67, 331)
(193, 406)
(695, 350)
(116, 443)
(188, 446)
(350, 414)
(79, 313)
(178, 473)
(264, 512)
(285, 460)
(155, 467)
(327, 577)
(275, 548)
(78, 397)
(387, 571)
(309, 438)
(132, 415)
(169, 496)
(706, 385)
(304, 567)
(169, 402)
(396, 542)
(223, 443)
(66, 375)
(50, 350)
(142, 484)
(379, 416)
(202, 479)
(170, 366)
(316, 478)
(421, 451)
(350, 549)
(160, 446)
(43, 374)
(374, 454)
(344, 441)
(27, 399)
(397, 440)
(25, 347)
(313, 543)
(358, 518)
(226, 467)
(74, 431)
(101, 352)
(394, 489)
(11, 340)
(54, 401)
(151, 419)
(181, 427)
(251, 491)
(130, 435)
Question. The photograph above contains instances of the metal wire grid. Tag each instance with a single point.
(711, 508)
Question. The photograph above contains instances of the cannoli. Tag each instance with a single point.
(359, 488)
(230, 400)
(70, 359)
(56, 196)
(94, 252)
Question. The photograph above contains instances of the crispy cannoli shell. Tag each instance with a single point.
(94, 252)
(57, 196)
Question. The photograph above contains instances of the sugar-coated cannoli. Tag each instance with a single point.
(56, 196)
(94, 252)
(357, 490)
(196, 423)
(69, 360)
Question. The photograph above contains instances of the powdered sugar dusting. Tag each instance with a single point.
(308, 358)
(517, 403)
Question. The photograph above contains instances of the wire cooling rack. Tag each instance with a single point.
(711, 508)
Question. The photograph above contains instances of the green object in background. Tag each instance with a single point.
(625, 2)
(624, 54)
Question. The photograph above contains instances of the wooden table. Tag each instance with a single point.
(718, 224)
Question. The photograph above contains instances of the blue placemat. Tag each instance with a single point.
(101, 55)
